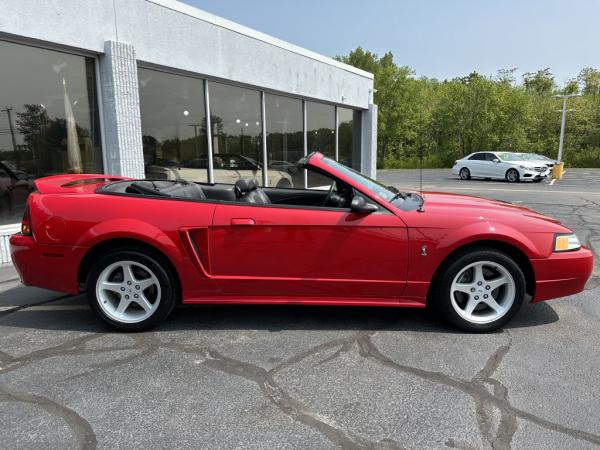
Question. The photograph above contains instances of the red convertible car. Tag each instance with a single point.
(137, 248)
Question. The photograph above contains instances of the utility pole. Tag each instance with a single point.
(563, 122)
(8, 112)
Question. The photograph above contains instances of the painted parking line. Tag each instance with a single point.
(551, 191)
(483, 189)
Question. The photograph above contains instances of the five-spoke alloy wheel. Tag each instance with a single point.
(480, 290)
(131, 290)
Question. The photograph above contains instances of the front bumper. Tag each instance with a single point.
(533, 174)
(52, 267)
(562, 274)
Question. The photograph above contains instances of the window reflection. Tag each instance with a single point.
(173, 126)
(320, 131)
(349, 123)
(48, 121)
(235, 117)
(285, 140)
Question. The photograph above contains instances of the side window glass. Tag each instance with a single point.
(476, 157)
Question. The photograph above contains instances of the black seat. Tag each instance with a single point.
(247, 190)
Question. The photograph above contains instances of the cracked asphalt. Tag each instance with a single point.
(312, 377)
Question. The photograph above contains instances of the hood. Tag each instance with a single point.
(461, 207)
(528, 164)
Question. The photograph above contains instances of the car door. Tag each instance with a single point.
(285, 252)
(487, 165)
(475, 165)
(499, 166)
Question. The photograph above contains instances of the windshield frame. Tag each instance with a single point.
(380, 191)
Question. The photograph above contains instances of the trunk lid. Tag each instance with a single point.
(74, 183)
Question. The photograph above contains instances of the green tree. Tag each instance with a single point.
(442, 121)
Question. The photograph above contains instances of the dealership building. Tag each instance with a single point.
(159, 89)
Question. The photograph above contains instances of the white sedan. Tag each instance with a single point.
(499, 165)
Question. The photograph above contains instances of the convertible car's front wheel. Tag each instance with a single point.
(131, 290)
(480, 290)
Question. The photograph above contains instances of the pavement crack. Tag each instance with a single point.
(6, 312)
(479, 393)
(279, 397)
(72, 347)
(81, 428)
(508, 425)
(146, 343)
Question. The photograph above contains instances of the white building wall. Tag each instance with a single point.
(177, 37)
(174, 35)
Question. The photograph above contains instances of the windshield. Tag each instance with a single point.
(532, 157)
(381, 190)
(509, 157)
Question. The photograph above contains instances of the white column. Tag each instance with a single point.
(121, 111)
(368, 162)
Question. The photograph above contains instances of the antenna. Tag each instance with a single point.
(421, 201)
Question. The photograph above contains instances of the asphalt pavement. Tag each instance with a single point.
(257, 377)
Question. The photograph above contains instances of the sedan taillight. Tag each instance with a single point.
(26, 223)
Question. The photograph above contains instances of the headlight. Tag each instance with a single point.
(566, 243)
(524, 167)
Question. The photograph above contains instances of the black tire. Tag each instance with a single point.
(169, 293)
(442, 290)
(284, 183)
(512, 175)
(464, 174)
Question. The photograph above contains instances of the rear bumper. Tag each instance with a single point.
(52, 267)
(562, 274)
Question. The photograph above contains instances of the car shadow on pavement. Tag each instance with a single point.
(73, 314)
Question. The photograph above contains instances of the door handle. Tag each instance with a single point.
(242, 222)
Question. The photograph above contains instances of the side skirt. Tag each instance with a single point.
(237, 300)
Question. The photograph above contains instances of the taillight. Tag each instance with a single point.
(26, 223)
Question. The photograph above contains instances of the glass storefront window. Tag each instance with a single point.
(285, 140)
(235, 119)
(320, 128)
(48, 121)
(173, 126)
(320, 135)
(349, 123)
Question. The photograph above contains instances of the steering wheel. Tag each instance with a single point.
(328, 197)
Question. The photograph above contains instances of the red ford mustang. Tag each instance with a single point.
(140, 247)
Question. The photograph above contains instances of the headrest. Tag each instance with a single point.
(245, 185)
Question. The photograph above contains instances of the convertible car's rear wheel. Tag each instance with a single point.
(480, 290)
(131, 290)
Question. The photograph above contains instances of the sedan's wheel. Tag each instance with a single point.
(481, 290)
(465, 174)
(131, 290)
(512, 175)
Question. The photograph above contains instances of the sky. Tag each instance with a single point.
(436, 38)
